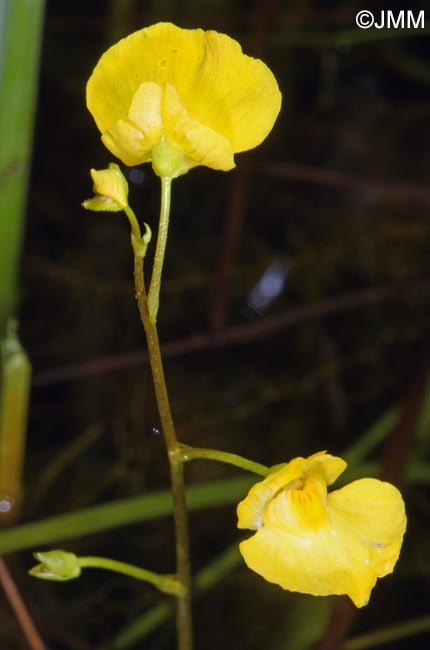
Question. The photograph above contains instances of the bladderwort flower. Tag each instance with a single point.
(192, 93)
(320, 543)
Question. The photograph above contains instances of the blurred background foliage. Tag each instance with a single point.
(294, 316)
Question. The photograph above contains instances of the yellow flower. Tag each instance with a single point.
(195, 88)
(110, 188)
(318, 543)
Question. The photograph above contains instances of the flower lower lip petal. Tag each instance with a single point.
(359, 543)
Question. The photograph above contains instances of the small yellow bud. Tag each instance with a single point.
(56, 565)
(111, 190)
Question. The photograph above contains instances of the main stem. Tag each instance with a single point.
(183, 601)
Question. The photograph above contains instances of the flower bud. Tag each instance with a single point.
(56, 565)
(111, 190)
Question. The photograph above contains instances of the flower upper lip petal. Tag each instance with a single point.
(228, 102)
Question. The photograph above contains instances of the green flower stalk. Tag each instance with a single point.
(61, 566)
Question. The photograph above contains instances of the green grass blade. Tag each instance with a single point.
(15, 375)
(124, 512)
(389, 634)
(371, 438)
(20, 32)
(120, 513)
(206, 578)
